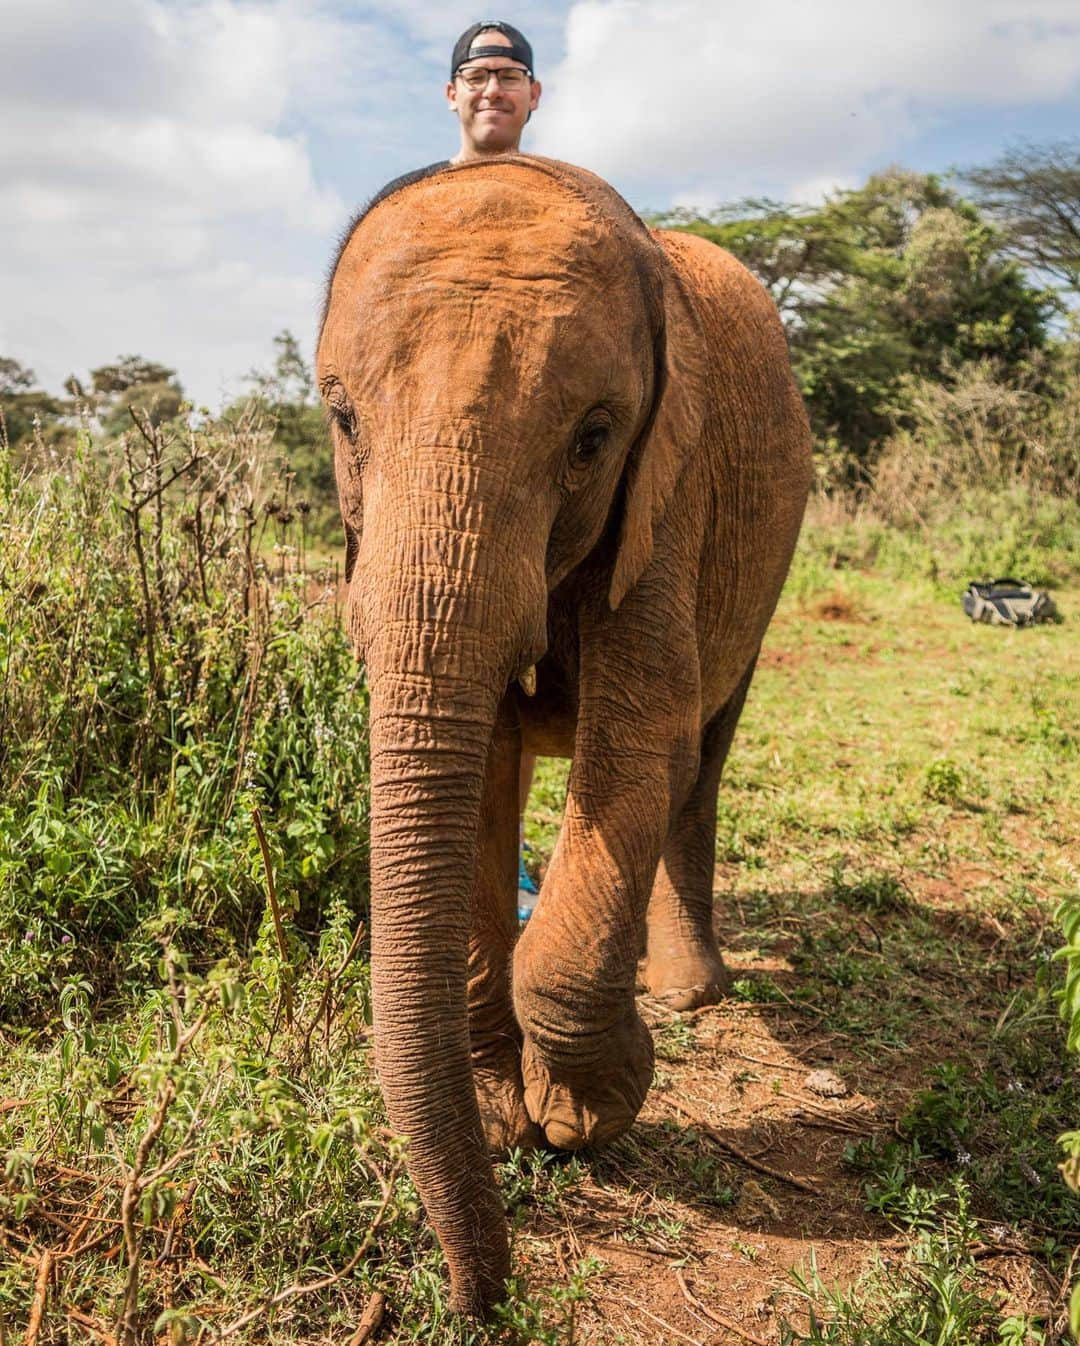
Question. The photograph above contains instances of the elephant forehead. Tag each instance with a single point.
(468, 237)
(467, 293)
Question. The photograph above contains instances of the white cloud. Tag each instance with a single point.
(680, 96)
(157, 193)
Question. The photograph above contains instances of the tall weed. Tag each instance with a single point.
(165, 666)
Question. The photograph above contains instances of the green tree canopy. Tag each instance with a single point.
(898, 278)
(132, 382)
(22, 403)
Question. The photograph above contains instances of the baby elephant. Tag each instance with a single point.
(572, 463)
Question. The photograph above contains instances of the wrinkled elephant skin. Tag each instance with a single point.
(566, 441)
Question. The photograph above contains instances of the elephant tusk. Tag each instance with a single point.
(528, 680)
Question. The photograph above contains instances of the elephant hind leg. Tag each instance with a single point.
(682, 965)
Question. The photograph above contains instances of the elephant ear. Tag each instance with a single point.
(670, 435)
(350, 485)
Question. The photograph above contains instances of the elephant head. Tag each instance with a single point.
(507, 361)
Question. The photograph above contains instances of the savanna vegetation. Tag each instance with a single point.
(861, 1147)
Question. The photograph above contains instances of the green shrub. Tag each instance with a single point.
(165, 667)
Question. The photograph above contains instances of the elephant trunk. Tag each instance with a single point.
(441, 641)
(425, 813)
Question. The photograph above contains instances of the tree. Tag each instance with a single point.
(134, 383)
(786, 246)
(1033, 194)
(129, 371)
(898, 278)
(21, 403)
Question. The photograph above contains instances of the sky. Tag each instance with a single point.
(174, 174)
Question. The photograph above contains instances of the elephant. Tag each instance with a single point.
(572, 464)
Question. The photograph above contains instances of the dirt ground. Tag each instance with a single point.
(765, 1095)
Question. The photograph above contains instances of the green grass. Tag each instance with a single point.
(897, 828)
(189, 1119)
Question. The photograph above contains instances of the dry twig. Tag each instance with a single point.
(801, 1183)
(41, 1293)
(672, 1331)
(772, 1065)
(84, 1320)
(712, 1316)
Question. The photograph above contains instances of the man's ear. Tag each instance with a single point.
(669, 437)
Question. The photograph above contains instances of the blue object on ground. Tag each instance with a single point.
(525, 879)
(527, 891)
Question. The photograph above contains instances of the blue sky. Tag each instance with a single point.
(173, 173)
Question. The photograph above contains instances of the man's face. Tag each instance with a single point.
(491, 116)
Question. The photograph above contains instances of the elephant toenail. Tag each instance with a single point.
(563, 1137)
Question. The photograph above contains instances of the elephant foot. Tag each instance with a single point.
(684, 981)
(500, 1095)
(575, 1107)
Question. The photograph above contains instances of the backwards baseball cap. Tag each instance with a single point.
(467, 48)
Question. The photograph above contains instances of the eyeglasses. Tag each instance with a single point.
(510, 77)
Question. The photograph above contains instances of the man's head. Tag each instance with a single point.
(491, 88)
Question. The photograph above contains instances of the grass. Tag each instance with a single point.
(194, 1144)
(897, 828)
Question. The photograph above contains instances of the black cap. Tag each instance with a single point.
(466, 48)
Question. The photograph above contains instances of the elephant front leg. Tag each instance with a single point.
(587, 1059)
(682, 964)
(495, 1039)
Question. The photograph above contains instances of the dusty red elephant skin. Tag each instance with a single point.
(565, 441)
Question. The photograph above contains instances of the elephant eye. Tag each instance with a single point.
(591, 438)
(343, 418)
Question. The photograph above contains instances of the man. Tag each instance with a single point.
(492, 89)
(493, 92)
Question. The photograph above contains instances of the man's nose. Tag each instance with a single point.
(492, 78)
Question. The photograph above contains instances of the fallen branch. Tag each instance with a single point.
(370, 1320)
(713, 1317)
(772, 1065)
(41, 1293)
(668, 1328)
(801, 1183)
(84, 1320)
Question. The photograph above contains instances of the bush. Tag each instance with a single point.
(165, 667)
(983, 434)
